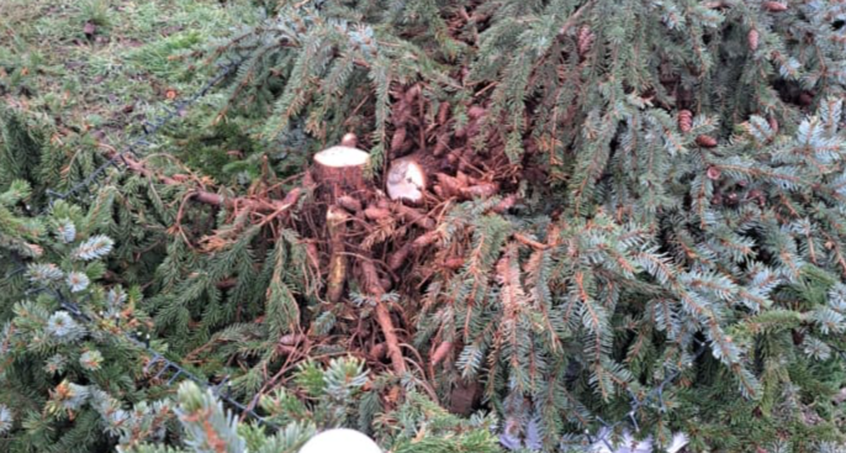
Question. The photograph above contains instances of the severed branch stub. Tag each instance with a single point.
(406, 180)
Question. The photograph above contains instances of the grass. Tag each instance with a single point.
(107, 65)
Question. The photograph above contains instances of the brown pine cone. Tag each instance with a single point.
(685, 120)
(774, 7)
(706, 141)
(713, 173)
(585, 40)
(752, 39)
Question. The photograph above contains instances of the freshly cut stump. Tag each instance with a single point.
(339, 173)
(340, 170)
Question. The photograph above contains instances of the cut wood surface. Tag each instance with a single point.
(406, 180)
(340, 171)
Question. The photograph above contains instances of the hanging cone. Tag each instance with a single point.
(773, 124)
(706, 141)
(585, 40)
(713, 173)
(685, 120)
(775, 7)
(752, 39)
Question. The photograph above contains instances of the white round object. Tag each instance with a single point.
(340, 440)
(406, 180)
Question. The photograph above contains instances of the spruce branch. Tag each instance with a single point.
(272, 207)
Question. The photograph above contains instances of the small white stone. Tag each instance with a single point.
(340, 440)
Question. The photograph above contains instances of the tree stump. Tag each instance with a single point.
(339, 174)
(339, 171)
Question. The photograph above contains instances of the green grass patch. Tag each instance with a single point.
(108, 64)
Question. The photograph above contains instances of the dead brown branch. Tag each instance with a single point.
(214, 199)
(383, 316)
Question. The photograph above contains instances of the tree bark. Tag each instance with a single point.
(383, 316)
(336, 223)
(339, 173)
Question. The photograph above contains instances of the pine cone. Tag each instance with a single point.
(805, 99)
(441, 352)
(713, 173)
(773, 124)
(706, 141)
(731, 200)
(685, 120)
(775, 7)
(585, 40)
(757, 196)
(752, 39)
(398, 140)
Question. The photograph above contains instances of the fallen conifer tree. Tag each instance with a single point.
(560, 213)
